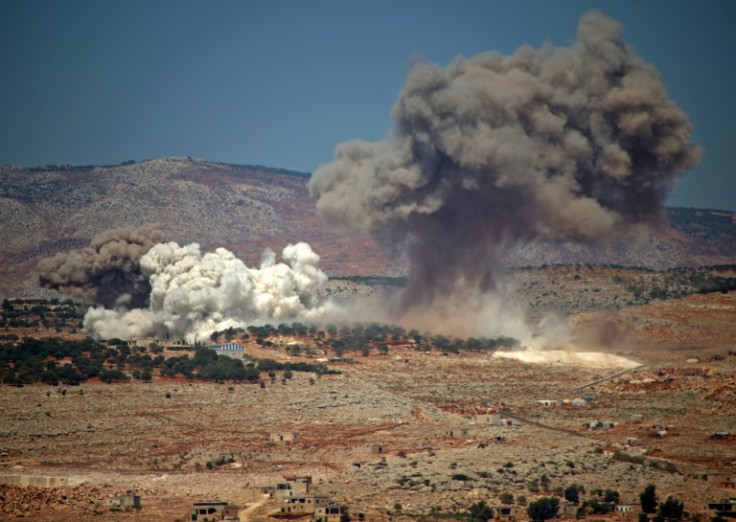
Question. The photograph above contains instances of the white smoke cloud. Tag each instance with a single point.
(193, 294)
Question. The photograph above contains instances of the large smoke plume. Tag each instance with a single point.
(143, 287)
(194, 294)
(108, 271)
(568, 144)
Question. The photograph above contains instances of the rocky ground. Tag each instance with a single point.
(65, 452)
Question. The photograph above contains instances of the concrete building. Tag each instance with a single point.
(293, 486)
(457, 433)
(286, 437)
(721, 480)
(370, 449)
(726, 508)
(163, 343)
(306, 504)
(494, 419)
(507, 512)
(126, 502)
(332, 513)
(232, 350)
(628, 510)
(549, 402)
(213, 511)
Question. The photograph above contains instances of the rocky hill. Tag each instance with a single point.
(249, 208)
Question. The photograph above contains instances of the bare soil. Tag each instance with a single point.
(156, 439)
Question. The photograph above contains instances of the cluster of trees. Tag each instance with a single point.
(668, 511)
(78, 168)
(52, 360)
(209, 365)
(603, 502)
(599, 503)
(681, 282)
(33, 313)
(365, 337)
(269, 365)
(374, 280)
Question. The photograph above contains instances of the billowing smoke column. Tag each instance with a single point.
(144, 287)
(569, 144)
(108, 271)
(193, 295)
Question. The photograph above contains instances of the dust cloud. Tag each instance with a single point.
(578, 143)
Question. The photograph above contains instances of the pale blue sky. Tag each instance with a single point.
(280, 83)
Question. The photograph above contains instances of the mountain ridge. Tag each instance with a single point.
(248, 208)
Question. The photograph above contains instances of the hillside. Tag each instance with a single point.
(403, 427)
(249, 208)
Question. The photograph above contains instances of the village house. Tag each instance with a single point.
(549, 402)
(568, 509)
(213, 511)
(234, 351)
(126, 502)
(294, 486)
(164, 343)
(628, 510)
(457, 433)
(370, 449)
(306, 504)
(283, 438)
(332, 513)
(721, 480)
(507, 512)
(726, 508)
(494, 419)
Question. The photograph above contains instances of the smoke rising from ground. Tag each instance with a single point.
(108, 271)
(572, 144)
(194, 294)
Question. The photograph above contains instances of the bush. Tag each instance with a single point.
(572, 493)
(648, 499)
(543, 508)
(479, 512)
(598, 508)
(612, 496)
(671, 509)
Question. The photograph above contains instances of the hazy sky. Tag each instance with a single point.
(280, 83)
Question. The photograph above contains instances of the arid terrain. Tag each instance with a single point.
(247, 209)
(174, 441)
(642, 391)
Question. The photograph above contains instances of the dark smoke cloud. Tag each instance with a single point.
(108, 271)
(570, 144)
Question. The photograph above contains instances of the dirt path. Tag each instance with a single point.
(245, 514)
(610, 377)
